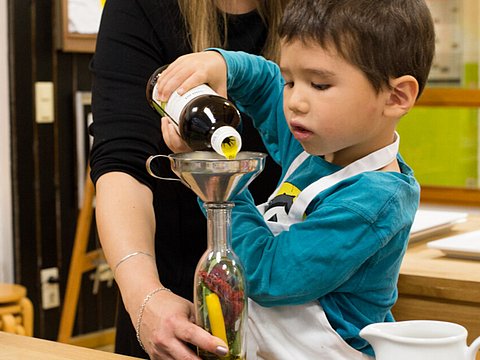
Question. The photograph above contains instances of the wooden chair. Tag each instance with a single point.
(16, 310)
(82, 261)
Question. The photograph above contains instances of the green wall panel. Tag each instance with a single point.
(441, 145)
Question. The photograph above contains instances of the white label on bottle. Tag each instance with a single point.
(176, 102)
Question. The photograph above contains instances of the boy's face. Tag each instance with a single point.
(330, 106)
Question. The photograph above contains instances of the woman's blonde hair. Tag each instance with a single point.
(202, 19)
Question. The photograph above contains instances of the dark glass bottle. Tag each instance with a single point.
(203, 119)
(220, 296)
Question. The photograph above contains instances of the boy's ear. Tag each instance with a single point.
(403, 94)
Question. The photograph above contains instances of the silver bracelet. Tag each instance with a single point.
(125, 258)
(142, 309)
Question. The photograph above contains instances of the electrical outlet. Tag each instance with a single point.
(44, 100)
(50, 288)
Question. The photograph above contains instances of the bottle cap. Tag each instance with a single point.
(226, 141)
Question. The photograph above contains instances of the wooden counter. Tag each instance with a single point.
(16, 347)
(433, 286)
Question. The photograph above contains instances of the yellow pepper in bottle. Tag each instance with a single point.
(215, 315)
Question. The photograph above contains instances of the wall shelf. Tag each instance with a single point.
(450, 97)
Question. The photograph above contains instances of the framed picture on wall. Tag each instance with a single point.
(83, 140)
(79, 21)
(448, 63)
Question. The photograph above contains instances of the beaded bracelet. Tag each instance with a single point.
(125, 258)
(142, 309)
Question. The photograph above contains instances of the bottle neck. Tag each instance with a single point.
(219, 226)
(226, 141)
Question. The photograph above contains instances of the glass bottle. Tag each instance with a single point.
(204, 119)
(220, 297)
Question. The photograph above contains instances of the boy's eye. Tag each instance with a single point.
(288, 84)
(320, 86)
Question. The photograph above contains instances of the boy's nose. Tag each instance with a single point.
(297, 102)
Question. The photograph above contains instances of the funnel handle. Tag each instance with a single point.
(150, 171)
(473, 348)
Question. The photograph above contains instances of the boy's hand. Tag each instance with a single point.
(188, 71)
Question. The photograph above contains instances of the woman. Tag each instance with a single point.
(153, 232)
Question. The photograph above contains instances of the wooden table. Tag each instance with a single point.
(433, 286)
(17, 347)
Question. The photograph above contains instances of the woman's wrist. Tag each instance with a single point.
(138, 323)
(136, 278)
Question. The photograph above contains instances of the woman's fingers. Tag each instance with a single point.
(172, 138)
(168, 326)
(195, 335)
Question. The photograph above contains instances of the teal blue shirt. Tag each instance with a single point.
(347, 252)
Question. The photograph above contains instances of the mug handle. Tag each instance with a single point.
(151, 172)
(473, 348)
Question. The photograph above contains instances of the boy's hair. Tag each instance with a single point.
(384, 38)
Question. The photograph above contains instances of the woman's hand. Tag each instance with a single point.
(172, 137)
(168, 324)
(188, 71)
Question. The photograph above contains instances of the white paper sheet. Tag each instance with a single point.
(465, 245)
(434, 222)
(84, 16)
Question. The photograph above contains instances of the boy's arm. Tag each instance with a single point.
(256, 86)
(255, 83)
(310, 260)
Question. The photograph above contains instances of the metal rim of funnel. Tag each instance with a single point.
(214, 178)
(211, 162)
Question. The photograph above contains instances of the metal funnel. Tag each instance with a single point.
(214, 178)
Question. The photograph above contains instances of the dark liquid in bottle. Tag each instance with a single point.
(203, 116)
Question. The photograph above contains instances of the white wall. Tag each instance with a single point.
(6, 233)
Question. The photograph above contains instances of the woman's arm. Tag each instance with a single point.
(126, 132)
(126, 225)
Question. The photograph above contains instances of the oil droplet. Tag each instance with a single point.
(230, 147)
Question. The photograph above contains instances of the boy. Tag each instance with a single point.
(322, 256)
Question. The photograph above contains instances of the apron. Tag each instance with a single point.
(302, 332)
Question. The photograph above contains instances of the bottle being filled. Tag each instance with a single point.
(220, 296)
(203, 119)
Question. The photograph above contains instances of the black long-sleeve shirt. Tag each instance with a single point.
(135, 38)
